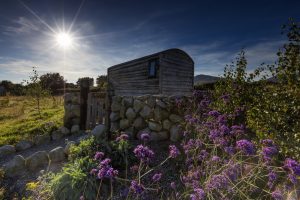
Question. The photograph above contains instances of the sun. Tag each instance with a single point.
(64, 40)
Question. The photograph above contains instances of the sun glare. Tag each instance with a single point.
(64, 40)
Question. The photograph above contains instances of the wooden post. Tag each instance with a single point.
(84, 91)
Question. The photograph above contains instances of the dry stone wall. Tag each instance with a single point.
(159, 116)
(72, 109)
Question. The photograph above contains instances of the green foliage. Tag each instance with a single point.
(19, 119)
(101, 81)
(52, 82)
(35, 89)
(270, 110)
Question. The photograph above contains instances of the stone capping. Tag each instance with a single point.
(159, 115)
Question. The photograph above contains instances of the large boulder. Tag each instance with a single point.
(7, 150)
(160, 103)
(139, 123)
(99, 131)
(146, 112)
(175, 118)
(124, 124)
(68, 147)
(130, 114)
(15, 167)
(114, 116)
(57, 154)
(23, 144)
(36, 160)
(159, 136)
(175, 133)
(137, 105)
(151, 101)
(75, 129)
(41, 139)
(154, 126)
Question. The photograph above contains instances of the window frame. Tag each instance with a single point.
(156, 67)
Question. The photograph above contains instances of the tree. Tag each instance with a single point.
(35, 89)
(52, 82)
(91, 81)
(101, 81)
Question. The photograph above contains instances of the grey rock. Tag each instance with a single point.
(124, 124)
(75, 110)
(175, 133)
(137, 105)
(115, 126)
(114, 116)
(151, 101)
(146, 112)
(159, 136)
(15, 167)
(127, 102)
(117, 99)
(56, 135)
(41, 139)
(68, 98)
(64, 130)
(175, 118)
(76, 99)
(160, 114)
(7, 150)
(115, 106)
(76, 121)
(23, 144)
(75, 129)
(68, 147)
(36, 160)
(130, 114)
(160, 103)
(57, 154)
(154, 126)
(99, 131)
(167, 124)
(122, 112)
(139, 123)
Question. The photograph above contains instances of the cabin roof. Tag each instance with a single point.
(152, 55)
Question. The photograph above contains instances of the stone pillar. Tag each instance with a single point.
(84, 91)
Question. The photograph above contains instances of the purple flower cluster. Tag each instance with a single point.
(145, 137)
(144, 153)
(122, 137)
(156, 177)
(198, 194)
(246, 147)
(277, 195)
(137, 188)
(292, 166)
(104, 169)
(269, 150)
(173, 151)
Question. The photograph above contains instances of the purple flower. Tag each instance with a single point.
(134, 169)
(98, 155)
(225, 98)
(277, 195)
(145, 136)
(214, 113)
(215, 159)
(272, 178)
(136, 187)
(156, 177)
(268, 142)
(145, 154)
(269, 152)
(105, 162)
(199, 193)
(292, 166)
(122, 137)
(93, 171)
(292, 178)
(230, 150)
(81, 197)
(237, 130)
(173, 185)
(246, 147)
(173, 151)
(217, 182)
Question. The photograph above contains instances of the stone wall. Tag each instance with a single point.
(72, 109)
(157, 115)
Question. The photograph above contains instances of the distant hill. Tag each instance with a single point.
(204, 79)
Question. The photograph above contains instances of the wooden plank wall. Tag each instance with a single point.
(132, 79)
(95, 109)
(177, 75)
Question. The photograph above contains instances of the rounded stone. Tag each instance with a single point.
(175, 118)
(57, 154)
(75, 129)
(167, 124)
(159, 136)
(99, 131)
(175, 133)
(124, 124)
(139, 123)
(137, 105)
(130, 114)
(154, 126)
(36, 160)
(146, 112)
(41, 139)
(7, 150)
(23, 145)
(114, 116)
(15, 167)
(64, 130)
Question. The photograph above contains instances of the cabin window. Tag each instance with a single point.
(152, 69)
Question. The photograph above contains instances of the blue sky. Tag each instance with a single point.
(108, 32)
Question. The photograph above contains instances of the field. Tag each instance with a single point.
(19, 118)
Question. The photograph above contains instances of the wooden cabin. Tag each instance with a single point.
(170, 72)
